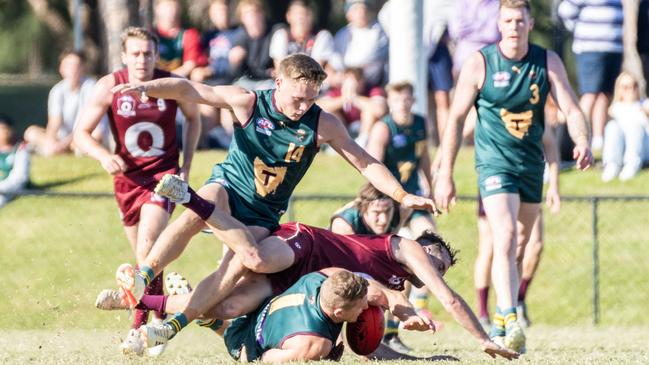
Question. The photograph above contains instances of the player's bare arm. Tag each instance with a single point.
(567, 103)
(378, 140)
(299, 348)
(410, 254)
(468, 85)
(551, 150)
(332, 132)
(190, 136)
(341, 226)
(89, 118)
(236, 98)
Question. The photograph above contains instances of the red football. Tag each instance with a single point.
(364, 336)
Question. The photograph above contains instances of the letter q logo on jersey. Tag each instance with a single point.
(144, 139)
(264, 126)
(126, 106)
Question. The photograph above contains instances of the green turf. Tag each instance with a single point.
(58, 252)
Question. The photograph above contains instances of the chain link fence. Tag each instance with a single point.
(593, 270)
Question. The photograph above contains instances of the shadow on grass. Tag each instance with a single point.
(386, 353)
(50, 184)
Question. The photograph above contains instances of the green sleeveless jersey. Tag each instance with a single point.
(404, 151)
(270, 154)
(295, 312)
(353, 216)
(509, 130)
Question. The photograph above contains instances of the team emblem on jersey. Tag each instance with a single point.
(493, 183)
(265, 126)
(126, 106)
(162, 106)
(300, 134)
(517, 124)
(501, 79)
(399, 140)
(297, 245)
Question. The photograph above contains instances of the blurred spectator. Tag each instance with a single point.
(63, 104)
(440, 78)
(180, 50)
(362, 43)
(257, 70)
(473, 26)
(224, 59)
(597, 43)
(355, 103)
(626, 137)
(14, 162)
(299, 37)
(643, 39)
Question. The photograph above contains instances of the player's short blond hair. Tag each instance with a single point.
(300, 67)
(400, 86)
(516, 4)
(259, 4)
(342, 289)
(139, 33)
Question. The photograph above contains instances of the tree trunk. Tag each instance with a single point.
(116, 15)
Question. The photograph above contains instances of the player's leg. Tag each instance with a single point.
(482, 271)
(502, 212)
(529, 264)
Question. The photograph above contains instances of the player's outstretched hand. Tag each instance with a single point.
(444, 192)
(583, 156)
(421, 323)
(137, 89)
(420, 203)
(493, 350)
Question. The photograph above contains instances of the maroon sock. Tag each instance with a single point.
(156, 287)
(483, 298)
(140, 318)
(156, 303)
(522, 290)
(199, 205)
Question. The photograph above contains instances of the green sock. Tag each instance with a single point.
(391, 328)
(497, 325)
(177, 322)
(146, 272)
(509, 315)
(213, 324)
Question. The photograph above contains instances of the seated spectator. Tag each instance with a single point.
(14, 163)
(180, 50)
(356, 104)
(362, 43)
(63, 104)
(257, 71)
(218, 43)
(299, 36)
(223, 61)
(626, 137)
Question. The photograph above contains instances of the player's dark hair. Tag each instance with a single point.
(429, 237)
(367, 194)
(355, 72)
(400, 86)
(4, 119)
(71, 52)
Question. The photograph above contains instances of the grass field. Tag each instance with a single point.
(58, 252)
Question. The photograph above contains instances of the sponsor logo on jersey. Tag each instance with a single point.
(162, 106)
(264, 126)
(492, 183)
(399, 140)
(501, 79)
(396, 281)
(126, 106)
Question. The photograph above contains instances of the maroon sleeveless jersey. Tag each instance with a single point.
(144, 132)
(318, 248)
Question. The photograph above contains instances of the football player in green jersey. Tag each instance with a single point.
(277, 136)
(509, 82)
